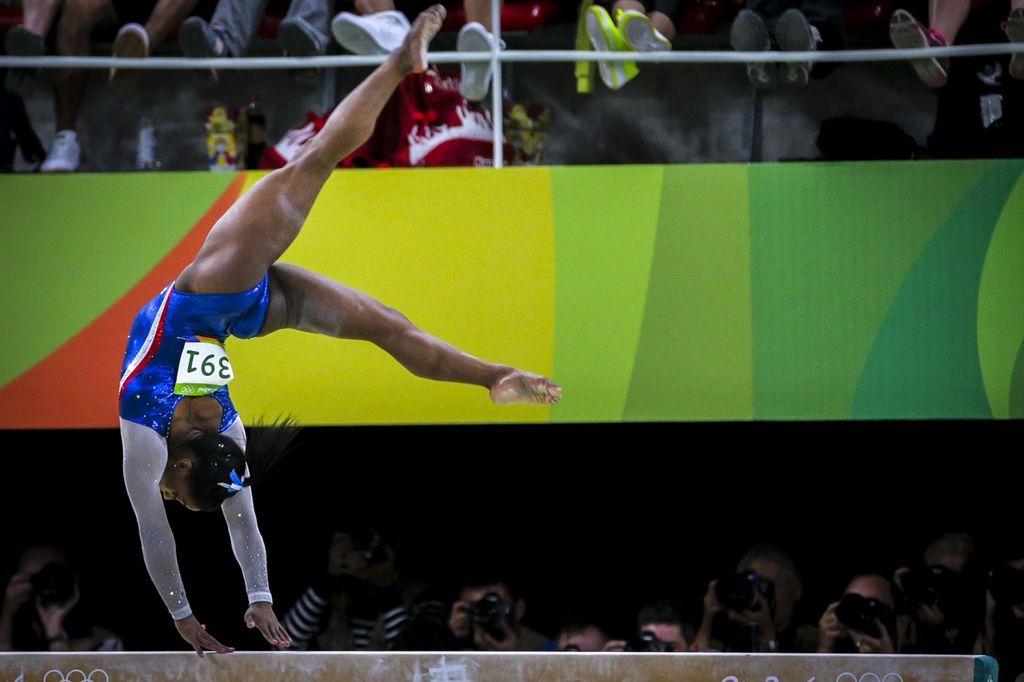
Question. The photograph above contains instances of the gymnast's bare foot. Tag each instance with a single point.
(522, 387)
(412, 55)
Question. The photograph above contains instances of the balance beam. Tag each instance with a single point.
(489, 667)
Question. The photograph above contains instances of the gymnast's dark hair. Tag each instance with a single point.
(220, 464)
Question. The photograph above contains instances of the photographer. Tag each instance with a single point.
(363, 601)
(488, 617)
(753, 609)
(944, 597)
(864, 621)
(1004, 613)
(659, 629)
(42, 608)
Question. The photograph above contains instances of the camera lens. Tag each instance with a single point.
(54, 584)
(739, 592)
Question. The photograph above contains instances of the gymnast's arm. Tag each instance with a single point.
(145, 456)
(251, 555)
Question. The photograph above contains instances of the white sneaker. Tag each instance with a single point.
(476, 76)
(64, 154)
(380, 33)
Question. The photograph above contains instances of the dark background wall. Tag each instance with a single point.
(601, 517)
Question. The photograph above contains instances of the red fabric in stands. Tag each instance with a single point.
(425, 123)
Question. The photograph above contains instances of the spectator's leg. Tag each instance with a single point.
(29, 40)
(137, 41)
(38, 15)
(77, 20)
(907, 33)
(236, 23)
(475, 36)
(365, 7)
(665, 15)
(304, 31)
(769, 10)
(479, 11)
(1015, 32)
(166, 16)
(644, 32)
(948, 17)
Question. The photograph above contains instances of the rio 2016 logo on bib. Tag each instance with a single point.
(204, 367)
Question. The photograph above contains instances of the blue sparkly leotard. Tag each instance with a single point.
(158, 337)
(151, 388)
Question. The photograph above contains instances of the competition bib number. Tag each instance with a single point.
(204, 367)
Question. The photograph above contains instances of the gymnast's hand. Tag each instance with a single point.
(194, 632)
(260, 615)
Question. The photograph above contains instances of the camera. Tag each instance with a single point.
(647, 642)
(930, 584)
(1006, 584)
(53, 584)
(371, 544)
(743, 591)
(859, 613)
(491, 613)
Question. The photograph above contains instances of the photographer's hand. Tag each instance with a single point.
(702, 640)
(483, 641)
(260, 615)
(931, 615)
(866, 644)
(761, 619)
(16, 594)
(52, 618)
(829, 630)
(459, 621)
(194, 632)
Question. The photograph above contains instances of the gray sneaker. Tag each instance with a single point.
(199, 39)
(298, 38)
(795, 34)
(749, 33)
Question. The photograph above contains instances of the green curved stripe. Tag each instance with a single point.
(1016, 408)
(924, 363)
(694, 357)
(76, 243)
(1001, 304)
(832, 244)
(605, 222)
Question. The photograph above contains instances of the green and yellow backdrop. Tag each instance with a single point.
(650, 293)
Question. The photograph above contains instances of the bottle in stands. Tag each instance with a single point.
(257, 132)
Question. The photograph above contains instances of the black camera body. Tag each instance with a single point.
(743, 591)
(491, 614)
(930, 584)
(647, 642)
(860, 613)
(371, 544)
(53, 584)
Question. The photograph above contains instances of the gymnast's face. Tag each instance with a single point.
(174, 482)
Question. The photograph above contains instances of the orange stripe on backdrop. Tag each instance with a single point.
(62, 388)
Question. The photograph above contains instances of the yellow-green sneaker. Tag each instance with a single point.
(639, 32)
(605, 37)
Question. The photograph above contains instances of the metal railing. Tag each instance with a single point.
(497, 57)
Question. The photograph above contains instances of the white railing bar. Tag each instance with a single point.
(514, 56)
